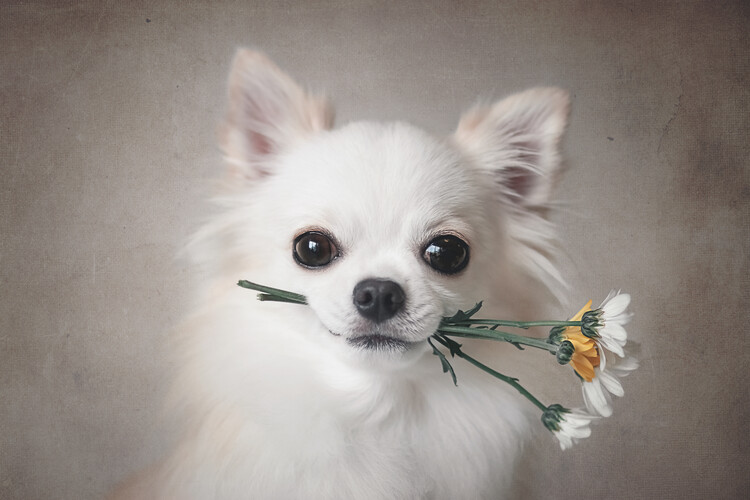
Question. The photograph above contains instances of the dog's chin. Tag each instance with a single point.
(381, 343)
(380, 349)
(383, 353)
(376, 342)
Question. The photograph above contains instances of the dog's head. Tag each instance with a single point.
(384, 228)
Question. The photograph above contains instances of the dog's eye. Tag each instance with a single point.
(314, 249)
(447, 254)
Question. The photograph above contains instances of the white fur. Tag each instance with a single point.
(276, 406)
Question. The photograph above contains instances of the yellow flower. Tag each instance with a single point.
(586, 355)
(589, 352)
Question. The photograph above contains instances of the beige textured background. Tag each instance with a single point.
(108, 113)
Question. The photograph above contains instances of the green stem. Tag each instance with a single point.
(454, 329)
(266, 297)
(465, 331)
(273, 293)
(510, 380)
(516, 324)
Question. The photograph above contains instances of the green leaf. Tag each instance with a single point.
(463, 315)
(444, 361)
(453, 346)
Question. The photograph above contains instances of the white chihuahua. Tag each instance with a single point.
(385, 229)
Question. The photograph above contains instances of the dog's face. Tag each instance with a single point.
(384, 228)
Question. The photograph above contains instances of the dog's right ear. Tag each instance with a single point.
(268, 112)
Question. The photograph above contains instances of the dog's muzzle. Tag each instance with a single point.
(378, 300)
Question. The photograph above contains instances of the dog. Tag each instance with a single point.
(385, 229)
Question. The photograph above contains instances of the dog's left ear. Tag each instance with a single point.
(517, 139)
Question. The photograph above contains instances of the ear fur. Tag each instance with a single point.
(267, 113)
(517, 139)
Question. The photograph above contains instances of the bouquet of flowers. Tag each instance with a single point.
(583, 342)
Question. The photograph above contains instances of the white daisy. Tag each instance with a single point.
(605, 324)
(568, 426)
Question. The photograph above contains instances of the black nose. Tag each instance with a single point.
(378, 300)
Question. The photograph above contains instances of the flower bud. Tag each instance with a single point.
(565, 352)
(552, 416)
(555, 334)
(590, 323)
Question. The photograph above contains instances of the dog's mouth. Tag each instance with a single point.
(377, 342)
(393, 337)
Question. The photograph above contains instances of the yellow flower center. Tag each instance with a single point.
(586, 355)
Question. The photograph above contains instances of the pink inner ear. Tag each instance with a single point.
(260, 144)
(522, 179)
(519, 181)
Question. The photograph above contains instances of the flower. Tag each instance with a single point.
(586, 355)
(596, 392)
(601, 330)
(568, 426)
(606, 322)
(565, 351)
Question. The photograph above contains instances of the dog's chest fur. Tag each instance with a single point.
(340, 432)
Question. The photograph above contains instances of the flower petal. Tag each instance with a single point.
(625, 366)
(582, 345)
(577, 432)
(614, 305)
(565, 441)
(612, 384)
(612, 346)
(614, 331)
(595, 399)
(609, 296)
(582, 366)
(578, 418)
(579, 314)
(621, 319)
(602, 360)
(574, 425)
